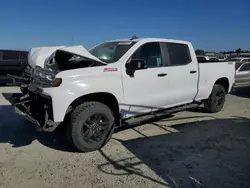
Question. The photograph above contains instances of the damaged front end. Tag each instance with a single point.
(35, 108)
(32, 103)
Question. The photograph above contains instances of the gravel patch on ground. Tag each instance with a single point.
(190, 149)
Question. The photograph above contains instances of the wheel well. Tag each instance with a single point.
(224, 82)
(102, 97)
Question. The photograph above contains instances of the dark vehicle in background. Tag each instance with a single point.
(12, 62)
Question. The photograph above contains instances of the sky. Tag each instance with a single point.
(214, 25)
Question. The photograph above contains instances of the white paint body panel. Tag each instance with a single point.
(142, 93)
(242, 78)
(37, 56)
(210, 73)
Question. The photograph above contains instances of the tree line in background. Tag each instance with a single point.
(238, 51)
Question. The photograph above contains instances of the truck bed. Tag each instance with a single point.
(209, 72)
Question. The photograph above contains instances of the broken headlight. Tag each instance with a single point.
(45, 78)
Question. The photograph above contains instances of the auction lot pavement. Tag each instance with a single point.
(191, 149)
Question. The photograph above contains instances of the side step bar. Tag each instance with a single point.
(157, 115)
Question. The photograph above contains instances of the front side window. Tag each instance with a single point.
(111, 52)
(151, 53)
(245, 67)
(178, 54)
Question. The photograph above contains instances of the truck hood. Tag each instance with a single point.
(38, 56)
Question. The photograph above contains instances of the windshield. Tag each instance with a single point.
(110, 52)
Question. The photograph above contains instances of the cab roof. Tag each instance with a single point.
(149, 40)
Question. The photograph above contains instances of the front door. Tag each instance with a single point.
(146, 90)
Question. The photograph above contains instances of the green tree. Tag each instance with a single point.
(238, 51)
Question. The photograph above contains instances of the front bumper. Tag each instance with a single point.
(35, 107)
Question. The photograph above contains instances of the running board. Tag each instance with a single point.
(157, 115)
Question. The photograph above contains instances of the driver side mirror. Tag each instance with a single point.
(135, 64)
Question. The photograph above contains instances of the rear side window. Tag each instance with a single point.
(10, 55)
(245, 67)
(178, 54)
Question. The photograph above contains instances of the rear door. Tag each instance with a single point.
(182, 74)
(12, 62)
(243, 76)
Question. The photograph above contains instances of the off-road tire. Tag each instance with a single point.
(77, 120)
(211, 104)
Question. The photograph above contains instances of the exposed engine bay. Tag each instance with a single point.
(62, 60)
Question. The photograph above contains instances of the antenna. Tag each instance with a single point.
(134, 37)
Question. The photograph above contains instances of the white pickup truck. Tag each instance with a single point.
(120, 82)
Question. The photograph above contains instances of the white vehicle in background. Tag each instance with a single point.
(118, 83)
(239, 61)
(242, 78)
(222, 58)
(204, 58)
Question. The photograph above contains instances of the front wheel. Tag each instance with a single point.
(91, 126)
(216, 100)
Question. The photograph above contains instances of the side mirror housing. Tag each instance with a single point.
(136, 64)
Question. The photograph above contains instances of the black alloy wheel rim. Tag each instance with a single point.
(219, 98)
(95, 128)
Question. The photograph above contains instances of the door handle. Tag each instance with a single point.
(162, 74)
(193, 71)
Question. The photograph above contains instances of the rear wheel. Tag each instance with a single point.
(216, 100)
(91, 126)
